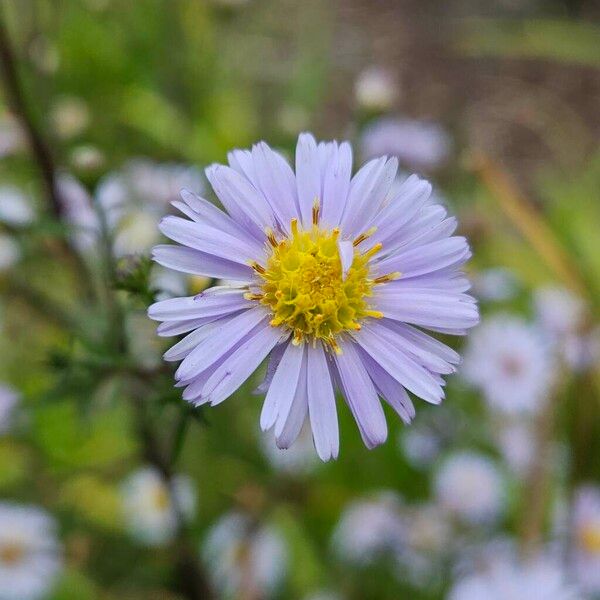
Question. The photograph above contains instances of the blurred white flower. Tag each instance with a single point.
(9, 398)
(470, 487)
(495, 285)
(9, 252)
(135, 198)
(299, 459)
(376, 88)
(370, 529)
(324, 595)
(428, 542)
(420, 446)
(418, 145)
(79, 212)
(168, 283)
(44, 54)
(516, 579)
(509, 361)
(562, 316)
(586, 537)
(244, 555)
(69, 116)
(151, 516)
(15, 206)
(87, 158)
(12, 137)
(144, 345)
(293, 118)
(516, 443)
(30, 554)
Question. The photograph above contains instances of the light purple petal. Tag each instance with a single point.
(195, 262)
(398, 364)
(213, 347)
(228, 377)
(201, 305)
(336, 185)
(206, 238)
(202, 211)
(283, 387)
(321, 405)
(363, 208)
(361, 396)
(297, 414)
(389, 389)
(428, 258)
(308, 176)
(241, 199)
(277, 182)
(346, 250)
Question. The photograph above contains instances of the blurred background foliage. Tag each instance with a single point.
(516, 86)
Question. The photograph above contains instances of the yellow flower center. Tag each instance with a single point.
(11, 553)
(161, 498)
(590, 538)
(306, 290)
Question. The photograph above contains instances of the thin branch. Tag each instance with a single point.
(193, 581)
(18, 105)
(529, 222)
(42, 155)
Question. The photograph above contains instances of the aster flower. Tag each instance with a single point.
(336, 280)
(244, 555)
(135, 198)
(10, 253)
(417, 144)
(370, 529)
(9, 398)
(515, 579)
(428, 543)
(563, 317)
(509, 361)
(298, 460)
(15, 206)
(150, 514)
(470, 487)
(30, 556)
(79, 212)
(375, 88)
(495, 285)
(586, 538)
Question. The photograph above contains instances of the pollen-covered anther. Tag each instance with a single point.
(257, 267)
(363, 236)
(306, 291)
(253, 296)
(315, 212)
(387, 278)
(271, 237)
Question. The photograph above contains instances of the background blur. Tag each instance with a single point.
(110, 486)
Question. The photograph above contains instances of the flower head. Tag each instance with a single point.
(509, 578)
(586, 537)
(30, 557)
(370, 529)
(9, 398)
(336, 276)
(417, 145)
(242, 554)
(136, 197)
(16, 208)
(470, 487)
(376, 88)
(150, 514)
(510, 362)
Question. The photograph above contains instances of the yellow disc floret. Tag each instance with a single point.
(306, 290)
